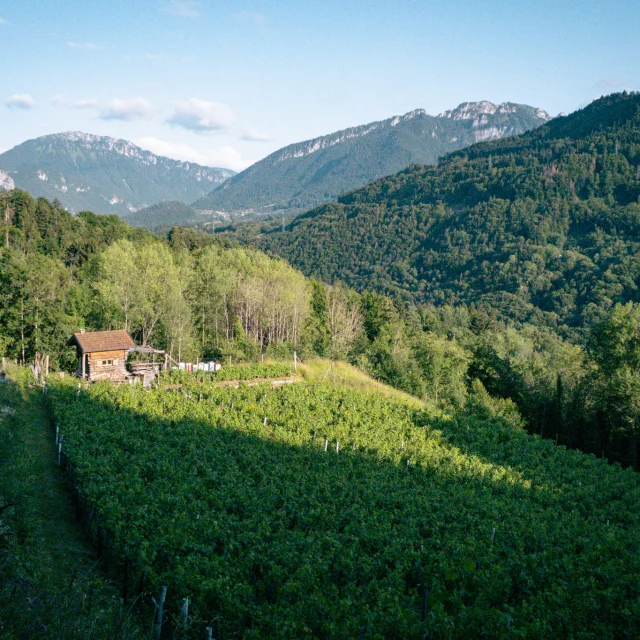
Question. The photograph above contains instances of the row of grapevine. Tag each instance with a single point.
(233, 372)
(317, 512)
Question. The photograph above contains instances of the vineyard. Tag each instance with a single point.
(233, 372)
(312, 511)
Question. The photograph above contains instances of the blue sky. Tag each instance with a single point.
(226, 83)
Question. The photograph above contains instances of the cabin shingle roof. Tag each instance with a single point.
(103, 341)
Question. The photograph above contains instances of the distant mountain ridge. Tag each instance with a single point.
(305, 174)
(103, 174)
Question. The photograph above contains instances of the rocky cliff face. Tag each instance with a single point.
(6, 182)
(491, 122)
(103, 174)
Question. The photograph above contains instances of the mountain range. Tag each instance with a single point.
(102, 174)
(302, 175)
(541, 228)
(109, 175)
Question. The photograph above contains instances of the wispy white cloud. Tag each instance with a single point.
(225, 157)
(201, 116)
(251, 17)
(255, 136)
(81, 45)
(86, 103)
(59, 100)
(3, 21)
(128, 109)
(20, 101)
(183, 8)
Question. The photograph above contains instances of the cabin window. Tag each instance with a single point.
(106, 363)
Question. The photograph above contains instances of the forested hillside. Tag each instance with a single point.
(318, 510)
(199, 296)
(544, 228)
(306, 174)
(164, 214)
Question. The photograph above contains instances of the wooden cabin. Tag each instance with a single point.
(102, 355)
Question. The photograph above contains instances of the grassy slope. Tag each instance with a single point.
(51, 582)
(335, 372)
(345, 375)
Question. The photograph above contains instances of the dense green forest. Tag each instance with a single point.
(543, 227)
(198, 296)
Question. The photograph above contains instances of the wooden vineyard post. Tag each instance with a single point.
(160, 606)
(326, 443)
(295, 362)
(185, 613)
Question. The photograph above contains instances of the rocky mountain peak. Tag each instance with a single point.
(90, 141)
(103, 174)
(476, 110)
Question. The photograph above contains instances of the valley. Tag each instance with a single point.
(456, 451)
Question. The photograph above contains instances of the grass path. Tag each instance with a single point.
(51, 583)
(63, 548)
